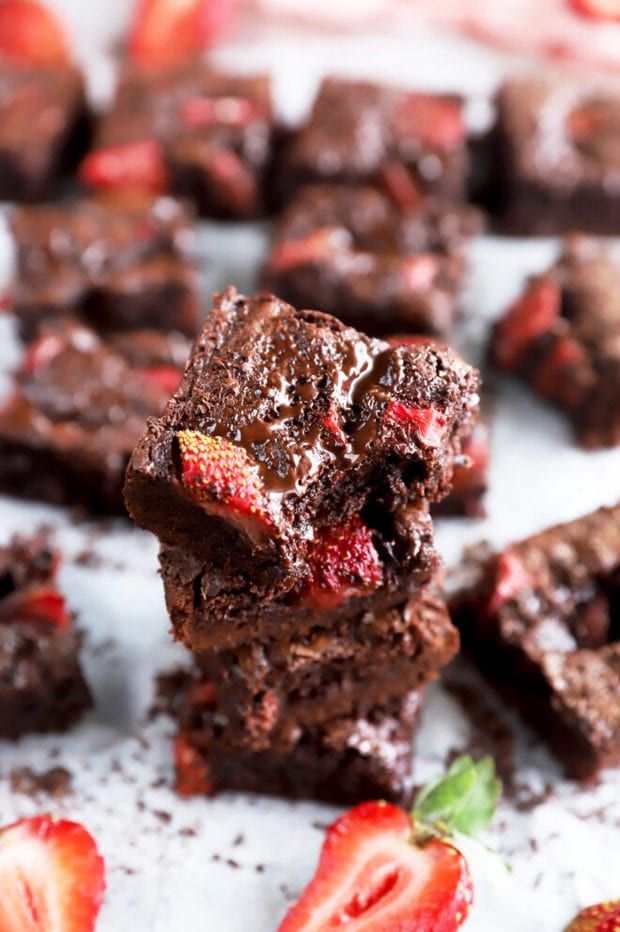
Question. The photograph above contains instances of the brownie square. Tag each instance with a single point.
(114, 263)
(359, 132)
(287, 421)
(209, 136)
(340, 760)
(41, 684)
(558, 156)
(372, 263)
(562, 336)
(543, 620)
(273, 689)
(44, 128)
(76, 409)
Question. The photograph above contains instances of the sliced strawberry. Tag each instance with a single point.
(435, 121)
(419, 271)
(331, 422)
(138, 165)
(598, 9)
(215, 471)
(29, 32)
(316, 248)
(6, 302)
(199, 111)
(553, 379)
(42, 351)
(52, 878)
(527, 318)
(400, 186)
(165, 378)
(234, 181)
(164, 32)
(604, 917)
(192, 771)
(429, 423)
(343, 562)
(511, 577)
(32, 605)
(371, 878)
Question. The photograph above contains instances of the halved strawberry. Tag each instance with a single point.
(429, 423)
(527, 318)
(332, 423)
(139, 164)
(316, 247)
(511, 577)
(435, 121)
(342, 562)
(52, 878)
(192, 772)
(215, 471)
(400, 186)
(372, 878)
(166, 378)
(598, 9)
(604, 917)
(555, 378)
(166, 31)
(32, 605)
(29, 32)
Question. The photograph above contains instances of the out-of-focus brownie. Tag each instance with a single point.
(404, 142)
(75, 412)
(374, 264)
(562, 336)
(543, 620)
(340, 760)
(470, 479)
(558, 156)
(198, 133)
(354, 574)
(275, 689)
(114, 263)
(286, 422)
(41, 684)
(44, 127)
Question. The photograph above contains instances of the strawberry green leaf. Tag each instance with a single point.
(463, 801)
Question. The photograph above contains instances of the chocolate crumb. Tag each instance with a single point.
(320, 826)
(232, 863)
(260, 868)
(54, 782)
(526, 798)
(164, 817)
(238, 841)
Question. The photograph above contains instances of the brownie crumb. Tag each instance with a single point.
(260, 868)
(238, 841)
(164, 817)
(54, 782)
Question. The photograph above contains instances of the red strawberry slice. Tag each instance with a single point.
(343, 562)
(511, 577)
(215, 471)
(166, 378)
(192, 771)
(138, 164)
(33, 605)
(419, 271)
(527, 318)
(29, 32)
(318, 247)
(604, 917)
(232, 179)
(429, 423)
(41, 352)
(400, 186)
(331, 422)
(598, 9)
(198, 111)
(164, 32)
(371, 878)
(435, 121)
(553, 378)
(52, 878)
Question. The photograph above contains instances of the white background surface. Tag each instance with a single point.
(169, 872)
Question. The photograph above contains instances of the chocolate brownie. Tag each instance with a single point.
(404, 142)
(543, 620)
(115, 263)
(76, 409)
(562, 336)
(198, 133)
(44, 128)
(558, 156)
(286, 422)
(355, 573)
(371, 263)
(41, 684)
(470, 479)
(340, 760)
(273, 688)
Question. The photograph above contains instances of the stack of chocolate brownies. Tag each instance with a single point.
(289, 481)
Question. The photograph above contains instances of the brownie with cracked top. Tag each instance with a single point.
(77, 407)
(44, 128)
(543, 620)
(370, 261)
(116, 262)
(201, 134)
(562, 336)
(342, 759)
(558, 157)
(41, 684)
(287, 422)
(359, 132)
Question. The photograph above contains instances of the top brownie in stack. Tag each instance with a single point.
(287, 422)
(359, 132)
(201, 134)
